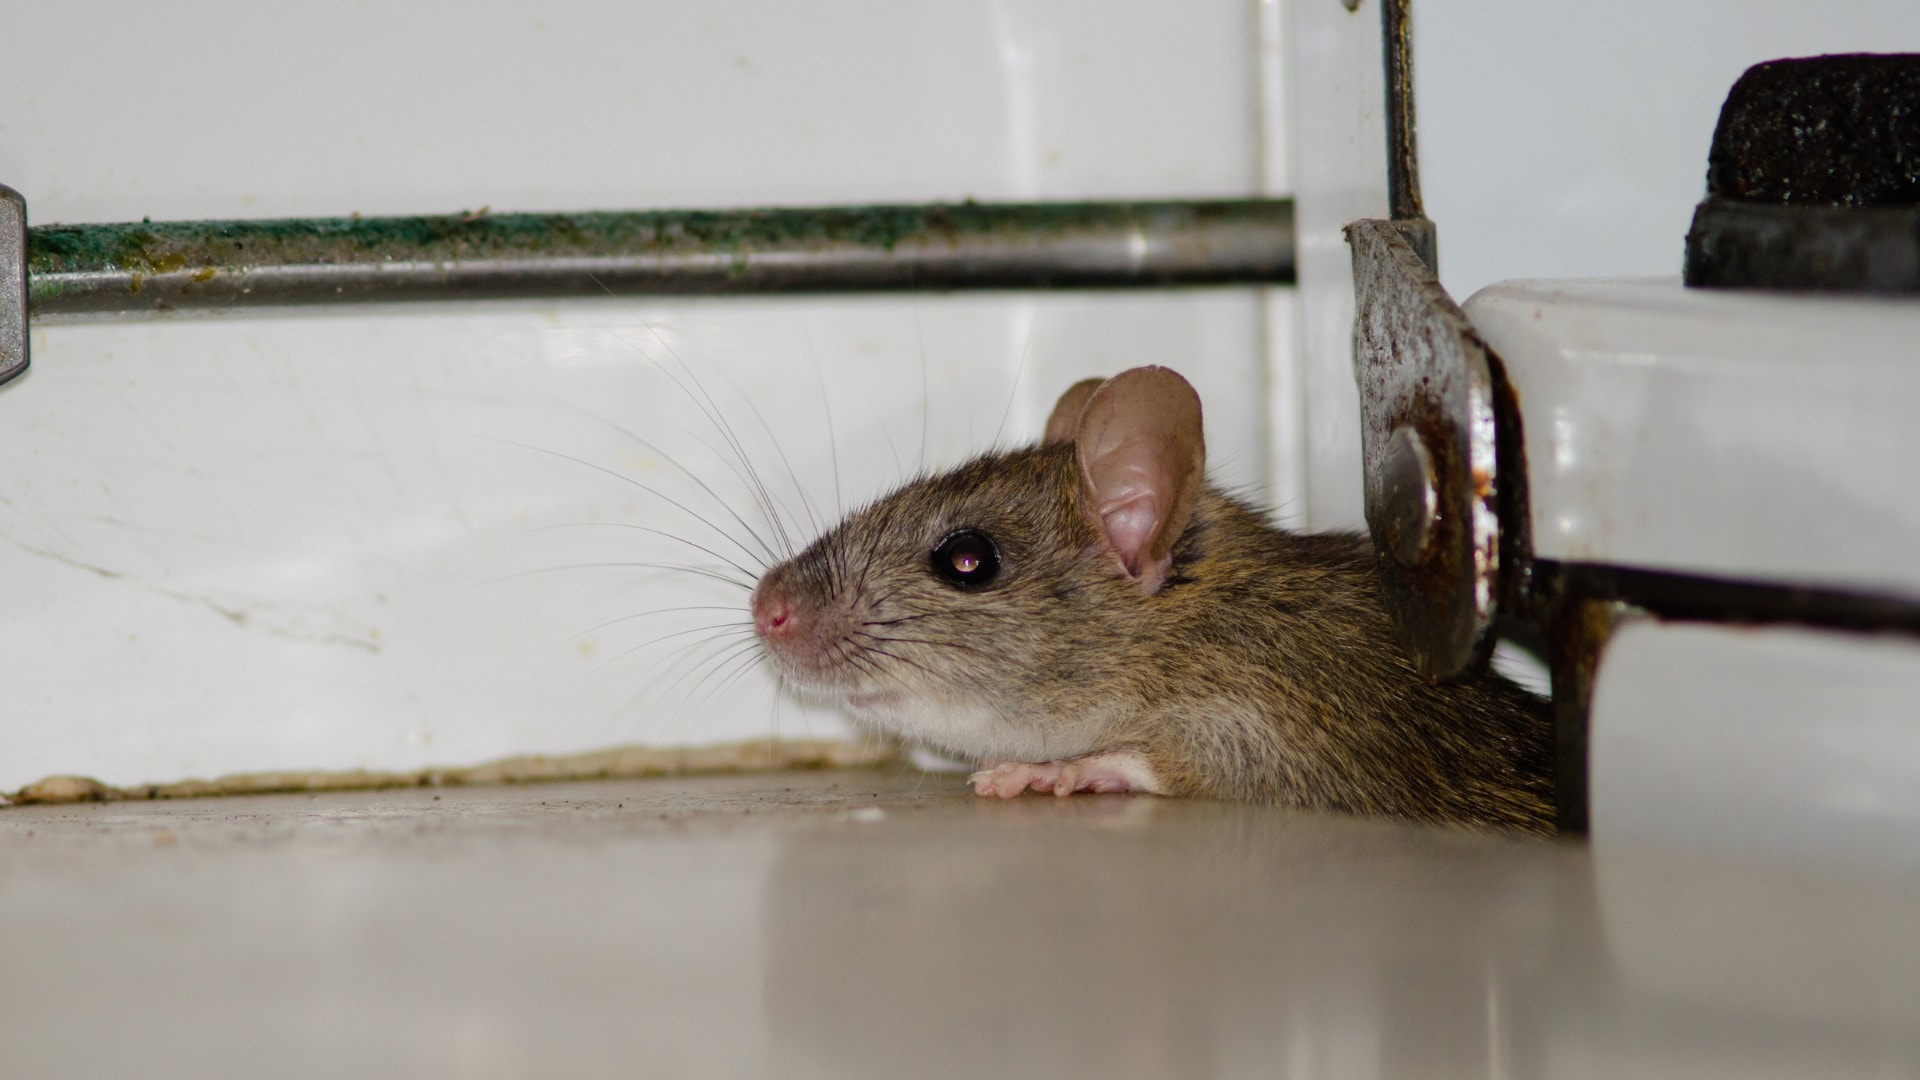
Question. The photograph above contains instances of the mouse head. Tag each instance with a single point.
(1004, 584)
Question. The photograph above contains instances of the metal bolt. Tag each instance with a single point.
(1411, 496)
(13, 283)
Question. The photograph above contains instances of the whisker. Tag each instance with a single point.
(727, 656)
(873, 552)
(926, 393)
(648, 689)
(646, 614)
(716, 417)
(665, 661)
(625, 479)
(763, 499)
(899, 470)
(718, 421)
(826, 404)
(961, 645)
(656, 532)
(904, 618)
(654, 448)
(882, 599)
(898, 659)
(710, 410)
(772, 438)
(1020, 369)
(717, 631)
(696, 571)
(866, 664)
(806, 718)
(733, 680)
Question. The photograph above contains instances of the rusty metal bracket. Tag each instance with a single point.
(13, 283)
(1429, 450)
(1427, 408)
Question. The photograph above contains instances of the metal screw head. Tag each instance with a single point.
(13, 283)
(1412, 496)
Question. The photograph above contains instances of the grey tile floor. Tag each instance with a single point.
(886, 924)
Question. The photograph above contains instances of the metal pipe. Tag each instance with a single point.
(84, 270)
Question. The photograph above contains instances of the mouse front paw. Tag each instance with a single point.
(1100, 774)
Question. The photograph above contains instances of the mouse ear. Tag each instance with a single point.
(1142, 461)
(1066, 412)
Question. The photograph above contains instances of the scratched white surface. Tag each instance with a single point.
(1339, 167)
(427, 106)
(381, 539)
(284, 542)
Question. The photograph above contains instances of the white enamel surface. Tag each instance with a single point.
(428, 106)
(289, 541)
(1784, 742)
(1288, 460)
(355, 539)
(1570, 140)
(1339, 170)
(1749, 435)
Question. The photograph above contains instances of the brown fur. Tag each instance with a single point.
(1263, 670)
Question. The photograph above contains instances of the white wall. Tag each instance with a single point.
(328, 540)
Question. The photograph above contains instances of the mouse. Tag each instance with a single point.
(1088, 614)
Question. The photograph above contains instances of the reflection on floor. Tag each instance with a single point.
(889, 924)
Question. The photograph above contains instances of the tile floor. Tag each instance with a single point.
(889, 924)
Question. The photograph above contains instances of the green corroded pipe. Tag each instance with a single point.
(77, 270)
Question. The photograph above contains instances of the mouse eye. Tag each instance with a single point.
(966, 558)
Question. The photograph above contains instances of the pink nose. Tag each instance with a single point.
(773, 614)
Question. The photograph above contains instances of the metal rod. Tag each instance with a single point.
(82, 270)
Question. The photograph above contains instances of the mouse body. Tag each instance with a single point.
(1087, 614)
